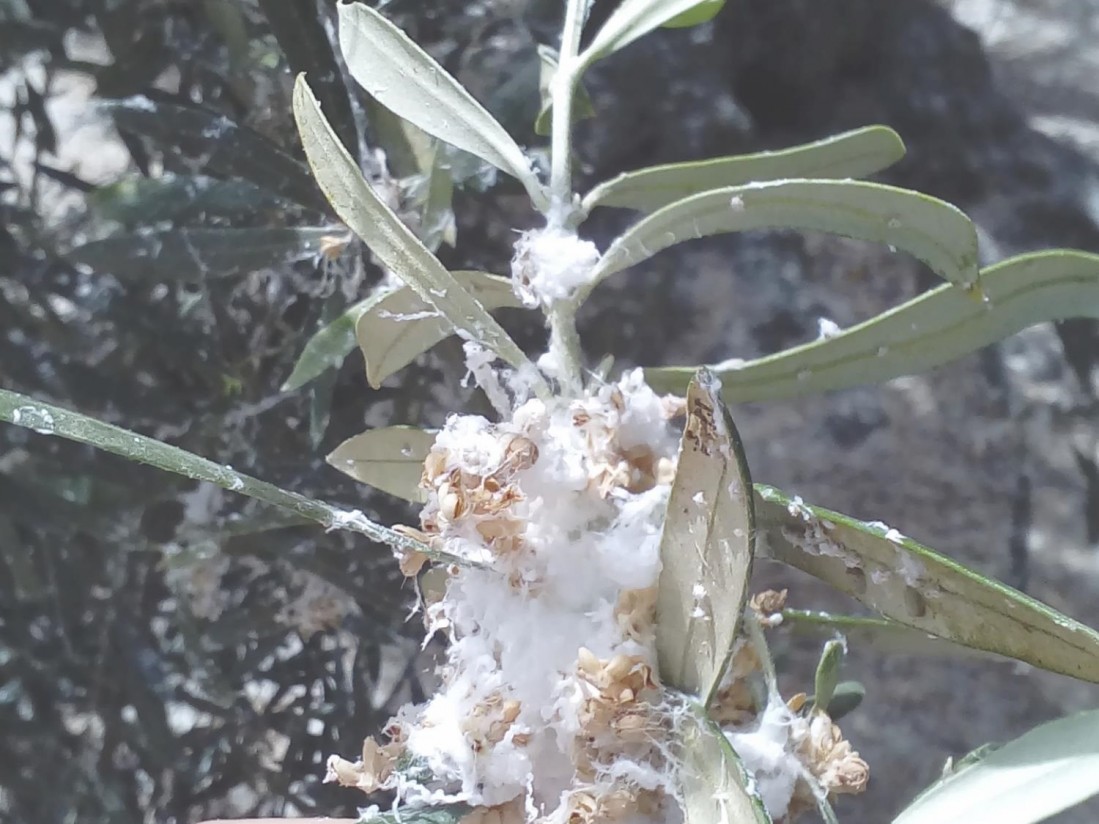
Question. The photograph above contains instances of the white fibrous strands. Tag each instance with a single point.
(550, 706)
(550, 265)
(551, 709)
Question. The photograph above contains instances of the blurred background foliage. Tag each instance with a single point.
(170, 652)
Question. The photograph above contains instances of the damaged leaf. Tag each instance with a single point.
(706, 547)
(911, 584)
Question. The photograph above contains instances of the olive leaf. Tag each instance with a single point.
(47, 419)
(1039, 774)
(327, 348)
(702, 13)
(390, 459)
(633, 19)
(935, 328)
(396, 327)
(194, 255)
(851, 154)
(911, 584)
(388, 238)
(878, 634)
(705, 548)
(437, 222)
(716, 787)
(405, 79)
(828, 673)
(846, 697)
(930, 229)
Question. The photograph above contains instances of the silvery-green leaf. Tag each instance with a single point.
(705, 549)
(929, 229)
(390, 459)
(935, 328)
(409, 82)
(396, 327)
(196, 255)
(878, 634)
(408, 150)
(713, 781)
(437, 224)
(911, 584)
(633, 19)
(327, 348)
(702, 13)
(1039, 774)
(388, 238)
(851, 154)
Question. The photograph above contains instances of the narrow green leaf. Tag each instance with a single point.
(935, 328)
(931, 230)
(846, 698)
(714, 782)
(878, 634)
(408, 81)
(195, 255)
(390, 459)
(396, 327)
(47, 419)
(1047, 770)
(437, 223)
(702, 13)
(851, 154)
(225, 149)
(705, 549)
(327, 348)
(394, 243)
(633, 19)
(911, 584)
(828, 673)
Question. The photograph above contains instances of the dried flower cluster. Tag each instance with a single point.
(794, 752)
(550, 706)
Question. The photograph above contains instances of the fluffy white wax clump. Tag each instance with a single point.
(767, 752)
(565, 503)
(550, 265)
